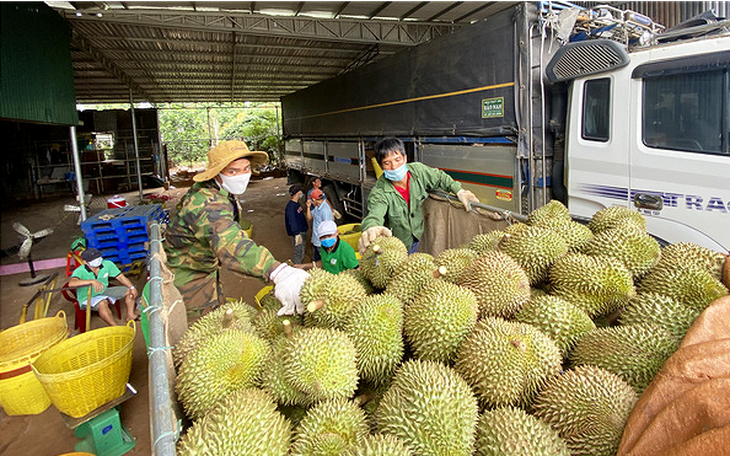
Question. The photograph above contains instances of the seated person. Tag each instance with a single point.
(96, 272)
(336, 256)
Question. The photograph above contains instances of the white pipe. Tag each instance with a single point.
(77, 171)
(136, 149)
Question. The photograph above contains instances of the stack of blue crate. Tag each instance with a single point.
(121, 235)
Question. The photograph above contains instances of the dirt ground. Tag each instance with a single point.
(46, 433)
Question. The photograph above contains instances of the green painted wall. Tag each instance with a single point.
(36, 75)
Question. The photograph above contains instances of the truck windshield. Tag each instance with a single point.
(686, 112)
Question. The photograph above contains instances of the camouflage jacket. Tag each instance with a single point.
(205, 235)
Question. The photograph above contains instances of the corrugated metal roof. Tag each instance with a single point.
(259, 51)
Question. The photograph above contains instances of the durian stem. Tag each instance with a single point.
(315, 305)
(228, 318)
(287, 328)
(439, 272)
(518, 344)
(364, 398)
(377, 249)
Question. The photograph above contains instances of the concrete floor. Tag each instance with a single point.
(46, 433)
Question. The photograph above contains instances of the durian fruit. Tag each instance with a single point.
(379, 445)
(634, 352)
(499, 283)
(684, 252)
(245, 423)
(637, 250)
(515, 228)
(430, 408)
(557, 318)
(535, 249)
(684, 282)
(595, 284)
(510, 431)
(381, 259)
(270, 326)
(439, 319)
(331, 299)
(506, 362)
(417, 270)
(553, 210)
(376, 329)
(659, 310)
(329, 428)
(588, 406)
(575, 234)
(486, 242)
(275, 383)
(321, 363)
(453, 262)
(612, 217)
(225, 363)
(235, 315)
(360, 277)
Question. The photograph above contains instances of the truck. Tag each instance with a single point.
(592, 107)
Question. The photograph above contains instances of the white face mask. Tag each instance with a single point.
(95, 263)
(235, 185)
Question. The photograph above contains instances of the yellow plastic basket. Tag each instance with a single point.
(88, 370)
(354, 237)
(20, 392)
(260, 295)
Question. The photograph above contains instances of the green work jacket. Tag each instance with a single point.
(205, 235)
(386, 207)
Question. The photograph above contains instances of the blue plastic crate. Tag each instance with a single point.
(122, 218)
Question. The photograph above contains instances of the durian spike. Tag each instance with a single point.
(315, 305)
(228, 318)
(287, 328)
(439, 272)
(364, 398)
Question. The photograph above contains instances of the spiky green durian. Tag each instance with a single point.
(376, 329)
(329, 304)
(509, 431)
(379, 445)
(357, 274)
(245, 423)
(274, 382)
(417, 270)
(659, 310)
(637, 250)
(225, 363)
(612, 217)
(438, 320)
(633, 352)
(553, 210)
(557, 318)
(270, 326)
(507, 362)
(595, 284)
(454, 261)
(430, 408)
(515, 228)
(575, 234)
(684, 282)
(321, 363)
(535, 249)
(499, 283)
(685, 252)
(329, 428)
(486, 242)
(381, 259)
(235, 315)
(588, 406)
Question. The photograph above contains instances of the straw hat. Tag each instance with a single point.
(226, 152)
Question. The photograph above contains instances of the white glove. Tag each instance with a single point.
(466, 198)
(369, 236)
(287, 283)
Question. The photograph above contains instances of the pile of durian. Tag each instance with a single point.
(535, 340)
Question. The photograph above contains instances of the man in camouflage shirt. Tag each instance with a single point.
(205, 234)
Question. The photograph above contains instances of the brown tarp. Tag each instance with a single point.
(448, 225)
(686, 409)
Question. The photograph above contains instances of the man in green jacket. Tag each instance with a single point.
(205, 235)
(394, 204)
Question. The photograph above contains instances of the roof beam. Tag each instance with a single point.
(379, 9)
(413, 10)
(341, 9)
(340, 30)
(444, 11)
(474, 11)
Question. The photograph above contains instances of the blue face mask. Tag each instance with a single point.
(327, 243)
(396, 175)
